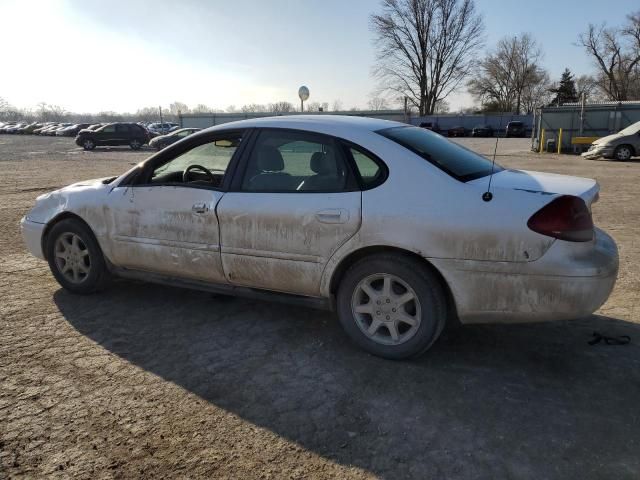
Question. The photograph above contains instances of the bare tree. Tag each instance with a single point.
(177, 108)
(442, 106)
(337, 106)
(508, 73)
(537, 93)
(425, 48)
(254, 108)
(588, 85)
(148, 114)
(313, 106)
(202, 108)
(378, 103)
(231, 109)
(281, 107)
(616, 54)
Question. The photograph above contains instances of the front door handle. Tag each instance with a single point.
(199, 208)
(333, 215)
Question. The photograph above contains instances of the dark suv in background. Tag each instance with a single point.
(113, 134)
(516, 129)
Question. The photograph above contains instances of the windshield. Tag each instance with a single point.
(456, 160)
(631, 129)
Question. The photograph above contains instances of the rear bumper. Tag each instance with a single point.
(32, 236)
(570, 281)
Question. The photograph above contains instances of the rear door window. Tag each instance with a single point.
(288, 161)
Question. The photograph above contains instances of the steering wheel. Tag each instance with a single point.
(185, 174)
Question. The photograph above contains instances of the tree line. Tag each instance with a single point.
(428, 49)
(45, 112)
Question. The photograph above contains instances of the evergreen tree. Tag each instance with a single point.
(565, 92)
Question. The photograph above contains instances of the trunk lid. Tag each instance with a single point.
(545, 183)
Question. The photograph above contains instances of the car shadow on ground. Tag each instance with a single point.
(485, 402)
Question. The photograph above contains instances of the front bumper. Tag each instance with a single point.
(32, 236)
(569, 281)
(605, 152)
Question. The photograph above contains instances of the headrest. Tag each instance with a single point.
(320, 163)
(270, 159)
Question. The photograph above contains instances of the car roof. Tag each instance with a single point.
(312, 123)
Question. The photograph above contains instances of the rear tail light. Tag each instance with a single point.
(565, 218)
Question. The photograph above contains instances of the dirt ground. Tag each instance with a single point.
(144, 381)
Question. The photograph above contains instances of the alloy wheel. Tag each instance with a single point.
(623, 153)
(72, 257)
(386, 309)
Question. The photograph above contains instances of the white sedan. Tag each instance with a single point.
(394, 227)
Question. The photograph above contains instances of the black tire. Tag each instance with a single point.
(622, 153)
(420, 278)
(98, 275)
(88, 144)
(135, 144)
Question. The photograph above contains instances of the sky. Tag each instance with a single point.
(122, 55)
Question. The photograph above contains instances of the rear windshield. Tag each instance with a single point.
(456, 160)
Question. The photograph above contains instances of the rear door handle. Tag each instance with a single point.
(332, 215)
(199, 208)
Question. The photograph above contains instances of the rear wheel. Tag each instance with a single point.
(623, 153)
(88, 144)
(75, 258)
(135, 144)
(391, 306)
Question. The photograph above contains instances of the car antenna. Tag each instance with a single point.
(488, 196)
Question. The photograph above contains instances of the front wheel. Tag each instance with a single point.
(135, 144)
(622, 153)
(88, 144)
(391, 306)
(75, 258)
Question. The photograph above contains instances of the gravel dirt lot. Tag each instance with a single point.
(144, 381)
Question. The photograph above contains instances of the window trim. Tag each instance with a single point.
(351, 185)
(179, 148)
(347, 146)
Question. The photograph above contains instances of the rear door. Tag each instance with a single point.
(123, 133)
(295, 202)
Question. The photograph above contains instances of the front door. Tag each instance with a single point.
(297, 203)
(106, 135)
(166, 222)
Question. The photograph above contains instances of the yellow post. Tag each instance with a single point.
(560, 142)
(542, 141)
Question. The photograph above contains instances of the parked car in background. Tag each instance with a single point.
(430, 126)
(29, 129)
(72, 130)
(456, 132)
(45, 126)
(233, 208)
(52, 131)
(482, 131)
(14, 128)
(620, 146)
(161, 128)
(162, 141)
(515, 129)
(113, 134)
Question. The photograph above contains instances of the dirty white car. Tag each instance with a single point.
(388, 224)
